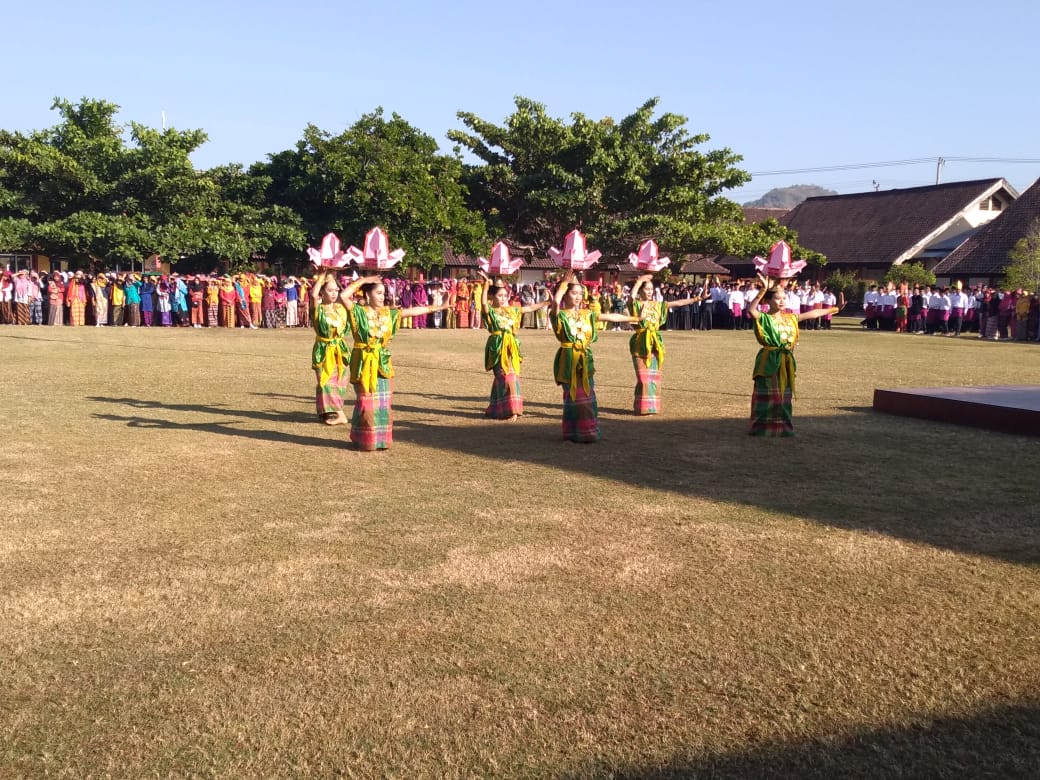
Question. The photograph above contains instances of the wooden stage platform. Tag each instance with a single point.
(1008, 408)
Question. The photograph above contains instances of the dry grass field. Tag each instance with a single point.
(200, 580)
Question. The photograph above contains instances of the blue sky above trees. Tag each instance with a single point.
(789, 86)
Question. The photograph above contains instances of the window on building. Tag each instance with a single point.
(16, 262)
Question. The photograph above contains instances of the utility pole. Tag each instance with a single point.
(938, 168)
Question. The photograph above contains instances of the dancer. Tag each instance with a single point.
(331, 324)
(646, 345)
(573, 367)
(373, 325)
(777, 332)
(502, 351)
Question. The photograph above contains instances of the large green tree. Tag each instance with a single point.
(92, 188)
(379, 172)
(1024, 269)
(620, 182)
(910, 273)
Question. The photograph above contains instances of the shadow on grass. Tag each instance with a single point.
(861, 472)
(223, 428)
(1003, 743)
(300, 399)
(215, 409)
(833, 472)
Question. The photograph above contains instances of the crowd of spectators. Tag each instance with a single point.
(251, 300)
(988, 312)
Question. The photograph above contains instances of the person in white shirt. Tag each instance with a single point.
(870, 298)
(735, 306)
(934, 303)
(711, 307)
(830, 301)
(750, 294)
(958, 305)
(793, 303)
(945, 306)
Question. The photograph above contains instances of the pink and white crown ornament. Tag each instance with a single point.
(500, 262)
(647, 259)
(574, 255)
(376, 255)
(330, 255)
(779, 265)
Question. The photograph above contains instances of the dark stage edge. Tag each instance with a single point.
(1007, 408)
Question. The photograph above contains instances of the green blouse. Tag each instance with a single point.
(575, 332)
(370, 355)
(502, 348)
(647, 337)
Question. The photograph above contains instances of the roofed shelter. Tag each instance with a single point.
(983, 258)
(869, 232)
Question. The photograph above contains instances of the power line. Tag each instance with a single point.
(896, 163)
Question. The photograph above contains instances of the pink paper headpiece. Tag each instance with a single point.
(647, 259)
(329, 256)
(574, 255)
(500, 262)
(376, 255)
(779, 265)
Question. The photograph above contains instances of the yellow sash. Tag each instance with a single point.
(369, 373)
(652, 343)
(509, 357)
(578, 360)
(333, 361)
(784, 372)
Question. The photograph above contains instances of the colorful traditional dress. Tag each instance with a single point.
(502, 355)
(76, 298)
(774, 375)
(371, 372)
(574, 369)
(329, 358)
(647, 354)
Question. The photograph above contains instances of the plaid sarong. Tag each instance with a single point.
(506, 399)
(771, 408)
(371, 425)
(580, 413)
(77, 313)
(331, 397)
(212, 314)
(648, 385)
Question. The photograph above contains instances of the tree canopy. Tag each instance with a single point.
(93, 188)
(1024, 269)
(910, 273)
(378, 172)
(620, 182)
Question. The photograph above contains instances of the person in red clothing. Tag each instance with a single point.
(55, 299)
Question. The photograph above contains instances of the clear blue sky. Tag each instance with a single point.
(786, 85)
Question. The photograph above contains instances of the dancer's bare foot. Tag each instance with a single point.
(514, 418)
(338, 419)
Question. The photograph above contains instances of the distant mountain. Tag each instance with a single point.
(789, 197)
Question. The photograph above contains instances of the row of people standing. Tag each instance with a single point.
(950, 311)
(128, 299)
